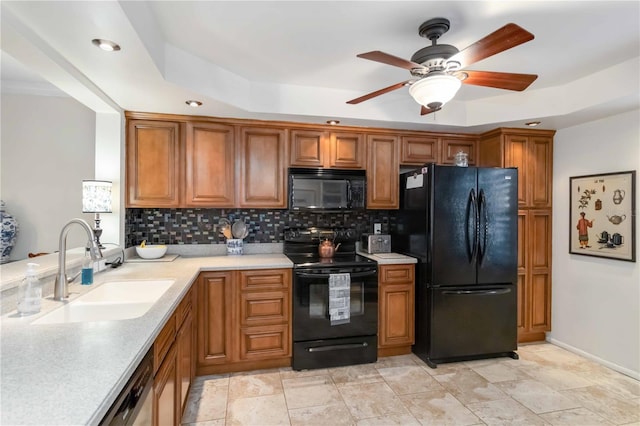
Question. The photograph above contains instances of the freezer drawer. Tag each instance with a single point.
(472, 322)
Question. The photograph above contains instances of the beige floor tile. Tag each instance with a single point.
(505, 412)
(438, 407)
(325, 415)
(396, 361)
(366, 400)
(399, 419)
(574, 417)
(260, 410)
(500, 372)
(218, 422)
(289, 373)
(556, 378)
(622, 386)
(468, 386)
(310, 391)
(600, 401)
(248, 385)
(537, 396)
(408, 379)
(207, 400)
(364, 373)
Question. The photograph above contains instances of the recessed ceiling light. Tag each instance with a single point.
(106, 45)
(333, 122)
(532, 123)
(193, 103)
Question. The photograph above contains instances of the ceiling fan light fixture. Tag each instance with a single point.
(435, 90)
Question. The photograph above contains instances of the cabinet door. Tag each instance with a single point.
(307, 148)
(540, 271)
(523, 239)
(347, 151)
(215, 318)
(418, 150)
(184, 344)
(383, 172)
(451, 146)
(262, 167)
(153, 164)
(165, 392)
(396, 306)
(210, 165)
(540, 171)
(517, 155)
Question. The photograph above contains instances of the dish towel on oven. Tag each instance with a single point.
(339, 298)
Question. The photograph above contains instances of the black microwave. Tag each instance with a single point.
(326, 190)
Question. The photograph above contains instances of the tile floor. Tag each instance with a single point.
(546, 386)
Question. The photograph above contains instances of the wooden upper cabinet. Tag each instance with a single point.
(310, 148)
(540, 171)
(418, 150)
(307, 148)
(262, 169)
(210, 165)
(452, 145)
(153, 170)
(382, 172)
(347, 151)
(531, 152)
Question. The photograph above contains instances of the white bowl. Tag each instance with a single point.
(151, 251)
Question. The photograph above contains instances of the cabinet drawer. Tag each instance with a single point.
(396, 274)
(265, 307)
(265, 279)
(264, 342)
(163, 342)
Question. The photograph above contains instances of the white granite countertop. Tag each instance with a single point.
(71, 373)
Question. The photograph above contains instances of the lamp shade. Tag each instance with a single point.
(96, 196)
(435, 90)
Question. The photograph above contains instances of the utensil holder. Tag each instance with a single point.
(235, 246)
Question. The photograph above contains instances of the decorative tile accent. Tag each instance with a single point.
(200, 226)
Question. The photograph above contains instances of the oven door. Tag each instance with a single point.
(311, 317)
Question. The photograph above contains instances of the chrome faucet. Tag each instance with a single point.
(61, 288)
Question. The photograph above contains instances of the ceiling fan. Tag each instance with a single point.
(438, 70)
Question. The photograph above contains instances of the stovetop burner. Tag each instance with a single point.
(301, 246)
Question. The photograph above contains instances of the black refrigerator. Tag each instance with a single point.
(461, 225)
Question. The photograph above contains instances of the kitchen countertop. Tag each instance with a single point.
(71, 373)
(389, 258)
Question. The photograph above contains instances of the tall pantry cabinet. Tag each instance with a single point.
(531, 152)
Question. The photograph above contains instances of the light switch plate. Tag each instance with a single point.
(377, 228)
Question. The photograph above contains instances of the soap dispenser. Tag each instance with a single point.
(30, 292)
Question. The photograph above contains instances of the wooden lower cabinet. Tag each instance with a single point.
(174, 365)
(396, 309)
(165, 391)
(534, 274)
(244, 320)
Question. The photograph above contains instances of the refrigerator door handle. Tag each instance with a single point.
(473, 246)
(483, 226)
(477, 292)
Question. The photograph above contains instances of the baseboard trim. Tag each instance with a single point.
(611, 365)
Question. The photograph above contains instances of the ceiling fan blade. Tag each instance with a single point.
(377, 93)
(424, 110)
(385, 58)
(499, 80)
(511, 35)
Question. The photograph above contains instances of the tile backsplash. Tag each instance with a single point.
(200, 226)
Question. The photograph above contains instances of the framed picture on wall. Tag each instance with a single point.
(603, 215)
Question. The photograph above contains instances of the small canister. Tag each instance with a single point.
(461, 159)
(235, 246)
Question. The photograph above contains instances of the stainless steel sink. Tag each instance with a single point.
(113, 300)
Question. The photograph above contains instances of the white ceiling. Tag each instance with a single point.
(296, 60)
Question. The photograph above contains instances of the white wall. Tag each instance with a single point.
(596, 301)
(47, 149)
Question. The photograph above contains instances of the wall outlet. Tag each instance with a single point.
(377, 228)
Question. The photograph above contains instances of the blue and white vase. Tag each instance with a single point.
(9, 233)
